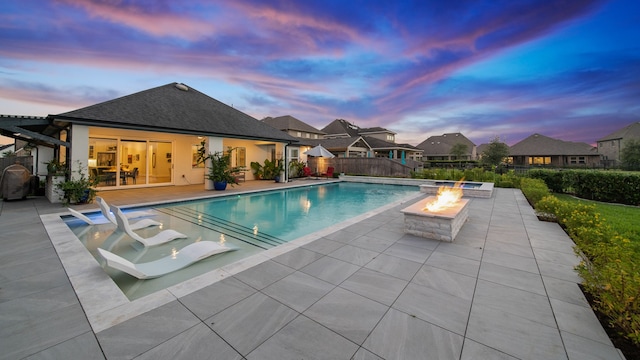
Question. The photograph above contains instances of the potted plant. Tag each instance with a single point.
(220, 170)
(79, 189)
(55, 167)
(257, 170)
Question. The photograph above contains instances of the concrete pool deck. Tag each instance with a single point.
(504, 289)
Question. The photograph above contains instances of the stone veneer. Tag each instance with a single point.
(443, 225)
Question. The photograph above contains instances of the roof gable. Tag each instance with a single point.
(175, 108)
(631, 131)
(442, 144)
(288, 122)
(540, 145)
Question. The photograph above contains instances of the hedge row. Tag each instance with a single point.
(610, 268)
(608, 186)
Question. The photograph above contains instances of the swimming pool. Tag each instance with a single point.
(251, 223)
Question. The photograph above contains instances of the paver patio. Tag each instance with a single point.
(504, 289)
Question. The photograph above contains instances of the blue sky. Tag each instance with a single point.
(565, 69)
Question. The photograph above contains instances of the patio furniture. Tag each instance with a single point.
(132, 174)
(239, 175)
(329, 173)
(186, 256)
(306, 171)
(104, 208)
(160, 238)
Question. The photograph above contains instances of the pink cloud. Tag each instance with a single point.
(164, 24)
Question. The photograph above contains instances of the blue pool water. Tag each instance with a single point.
(280, 216)
(464, 185)
(251, 223)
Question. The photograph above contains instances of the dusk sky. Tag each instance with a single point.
(565, 69)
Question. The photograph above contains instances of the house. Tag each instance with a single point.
(610, 146)
(381, 141)
(151, 138)
(541, 150)
(294, 127)
(439, 147)
(345, 147)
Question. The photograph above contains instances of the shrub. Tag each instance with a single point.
(553, 178)
(610, 268)
(534, 189)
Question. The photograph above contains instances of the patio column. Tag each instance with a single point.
(214, 144)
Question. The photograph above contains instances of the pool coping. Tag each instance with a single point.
(105, 305)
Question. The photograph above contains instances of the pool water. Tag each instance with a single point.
(464, 185)
(250, 223)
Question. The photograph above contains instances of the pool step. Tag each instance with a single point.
(228, 228)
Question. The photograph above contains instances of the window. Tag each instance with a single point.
(539, 160)
(307, 135)
(241, 156)
(299, 134)
(577, 160)
(389, 137)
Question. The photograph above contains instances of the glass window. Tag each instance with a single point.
(241, 156)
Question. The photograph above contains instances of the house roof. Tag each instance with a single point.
(631, 131)
(345, 128)
(174, 108)
(378, 144)
(540, 145)
(341, 126)
(442, 144)
(338, 144)
(288, 122)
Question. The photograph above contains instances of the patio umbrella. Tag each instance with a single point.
(319, 151)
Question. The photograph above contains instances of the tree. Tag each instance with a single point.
(496, 152)
(458, 150)
(630, 155)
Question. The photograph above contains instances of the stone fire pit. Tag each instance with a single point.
(443, 225)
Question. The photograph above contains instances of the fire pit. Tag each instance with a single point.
(438, 217)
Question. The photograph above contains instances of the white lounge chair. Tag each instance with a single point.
(81, 216)
(141, 224)
(186, 256)
(160, 238)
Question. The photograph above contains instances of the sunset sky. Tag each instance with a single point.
(565, 69)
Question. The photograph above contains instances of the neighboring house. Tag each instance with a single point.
(439, 147)
(541, 150)
(480, 149)
(381, 141)
(294, 127)
(154, 134)
(345, 147)
(610, 146)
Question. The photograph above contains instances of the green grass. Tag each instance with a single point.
(623, 218)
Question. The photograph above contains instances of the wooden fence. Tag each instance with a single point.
(365, 166)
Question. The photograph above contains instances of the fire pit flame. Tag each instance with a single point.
(447, 197)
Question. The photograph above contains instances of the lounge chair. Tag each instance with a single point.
(306, 171)
(186, 256)
(104, 208)
(329, 173)
(160, 238)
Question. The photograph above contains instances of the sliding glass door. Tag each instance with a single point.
(161, 165)
(133, 162)
(126, 162)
